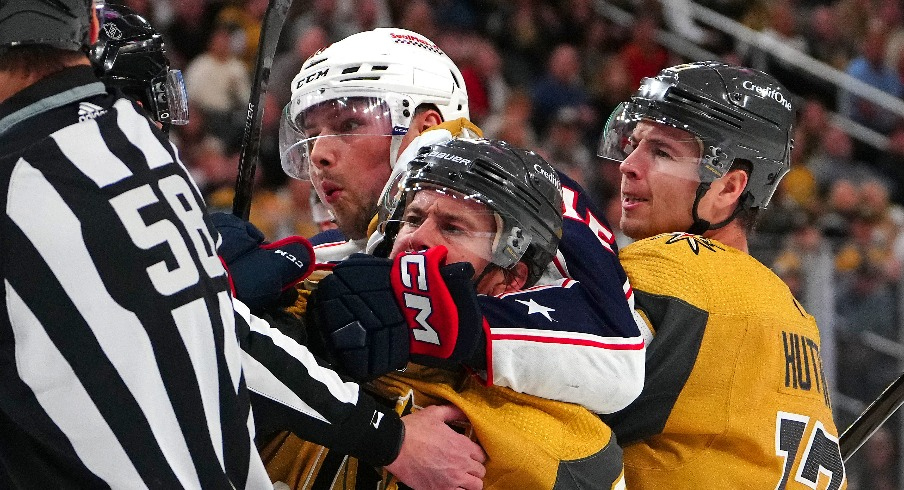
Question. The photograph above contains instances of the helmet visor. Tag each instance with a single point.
(638, 137)
(344, 120)
(466, 224)
(176, 101)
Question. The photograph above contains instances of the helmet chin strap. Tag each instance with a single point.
(700, 225)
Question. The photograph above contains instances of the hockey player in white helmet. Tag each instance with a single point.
(356, 105)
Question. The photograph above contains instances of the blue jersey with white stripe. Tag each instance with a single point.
(575, 336)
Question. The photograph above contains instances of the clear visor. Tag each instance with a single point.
(434, 215)
(653, 142)
(174, 106)
(344, 121)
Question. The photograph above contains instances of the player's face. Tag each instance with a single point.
(465, 227)
(659, 180)
(349, 160)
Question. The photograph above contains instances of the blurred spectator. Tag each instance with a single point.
(879, 461)
(319, 13)
(561, 86)
(609, 86)
(812, 124)
(512, 124)
(245, 16)
(890, 14)
(353, 16)
(869, 67)
(287, 65)
(891, 164)
(643, 56)
(841, 207)
(677, 16)
(188, 33)
(834, 160)
(481, 69)
(418, 17)
(563, 147)
(218, 83)
(520, 33)
(825, 40)
(577, 18)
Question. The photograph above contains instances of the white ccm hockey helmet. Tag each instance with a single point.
(382, 76)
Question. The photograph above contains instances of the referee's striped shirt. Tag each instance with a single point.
(124, 362)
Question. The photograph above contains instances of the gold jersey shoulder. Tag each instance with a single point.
(748, 402)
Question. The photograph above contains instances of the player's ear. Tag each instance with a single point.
(734, 182)
(424, 118)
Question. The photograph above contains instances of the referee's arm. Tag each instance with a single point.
(292, 390)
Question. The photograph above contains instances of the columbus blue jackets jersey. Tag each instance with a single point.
(574, 337)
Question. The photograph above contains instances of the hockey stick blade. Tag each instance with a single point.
(872, 418)
(271, 28)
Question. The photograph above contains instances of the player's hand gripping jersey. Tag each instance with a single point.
(724, 377)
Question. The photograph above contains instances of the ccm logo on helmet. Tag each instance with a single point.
(768, 92)
(549, 175)
(310, 78)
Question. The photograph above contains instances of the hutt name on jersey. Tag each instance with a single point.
(735, 394)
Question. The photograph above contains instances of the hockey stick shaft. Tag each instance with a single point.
(872, 418)
(271, 28)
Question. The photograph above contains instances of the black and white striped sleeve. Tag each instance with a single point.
(293, 390)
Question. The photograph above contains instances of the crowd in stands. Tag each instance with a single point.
(545, 74)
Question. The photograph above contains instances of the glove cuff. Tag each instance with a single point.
(305, 268)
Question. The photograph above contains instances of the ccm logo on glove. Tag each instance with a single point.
(439, 304)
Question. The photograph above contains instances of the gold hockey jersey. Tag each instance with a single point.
(735, 395)
(530, 442)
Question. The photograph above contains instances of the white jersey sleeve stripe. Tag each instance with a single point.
(84, 146)
(118, 331)
(232, 351)
(42, 367)
(264, 383)
(137, 130)
(343, 391)
(193, 322)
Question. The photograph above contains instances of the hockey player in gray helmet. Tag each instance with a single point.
(735, 393)
(490, 214)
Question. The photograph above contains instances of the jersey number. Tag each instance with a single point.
(178, 195)
(821, 453)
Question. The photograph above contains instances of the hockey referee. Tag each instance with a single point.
(124, 362)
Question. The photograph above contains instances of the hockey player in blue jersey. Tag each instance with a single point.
(359, 110)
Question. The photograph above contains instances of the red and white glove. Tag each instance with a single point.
(439, 303)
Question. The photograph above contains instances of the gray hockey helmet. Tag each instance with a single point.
(64, 24)
(518, 185)
(735, 112)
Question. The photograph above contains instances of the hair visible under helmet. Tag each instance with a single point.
(521, 188)
(394, 70)
(736, 114)
(62, 24)
(130, 55)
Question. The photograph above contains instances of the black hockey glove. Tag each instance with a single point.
(357, 310)
(263, 274)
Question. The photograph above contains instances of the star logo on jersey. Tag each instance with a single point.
(534, 307)
(693, 241)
